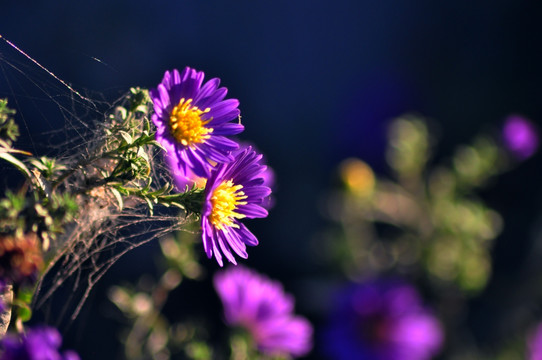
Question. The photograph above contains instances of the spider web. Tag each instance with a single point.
(59, 121)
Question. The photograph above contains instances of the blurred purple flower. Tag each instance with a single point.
(520, 136)
(382, 320)
(41, 343)
(534, 344)
(192, 120)
(259, 305)
(234, 191)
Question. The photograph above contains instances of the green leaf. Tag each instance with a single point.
(141, 108)
(143, 154)
(151, 206)
(24, 313)
(127, 137)
(15, 162)
(25, 295)
(9, 131)
(22, 303)
(118, 196)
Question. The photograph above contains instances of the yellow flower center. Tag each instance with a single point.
(225, 200)
(186, 124)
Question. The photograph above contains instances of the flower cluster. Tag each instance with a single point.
(260, 306)
(193, 121)
(382, 320)
(40, 343)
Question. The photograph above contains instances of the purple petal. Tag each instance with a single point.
(200, 167)
(206, 91)
(224, 111)
(247, 236)
(253, 211)
(228, 129)
(257, 192)
(222, 242)
(164, 97)
(223, 143)
(235, 243)
(216, 155)
(218, 256)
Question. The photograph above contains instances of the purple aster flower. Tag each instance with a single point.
(520, 136)
(234, 191)
(260, 306)
(382, 320)
(534, 344)
(192, 120)
(40, 343)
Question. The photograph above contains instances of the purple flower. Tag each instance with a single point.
(259, 305)
(40, 343)
(382, 320)
(234, 191)
(534, 344)
(520, 136)
(192, 120)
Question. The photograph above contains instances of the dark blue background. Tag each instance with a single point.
(317, 81)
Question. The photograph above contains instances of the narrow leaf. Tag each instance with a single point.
(17, 163)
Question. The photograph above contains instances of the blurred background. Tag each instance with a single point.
(318, 82)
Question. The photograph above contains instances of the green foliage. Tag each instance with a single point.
(191, 200)
(428, 219)
(39, 212)
(409, 146)
(20, 214)
(22, 303)
(9, 131)
(118, 169)
(122, 163)
(180, 254)
(151, 335)
(49, 168)
(426, 223)
(199, 351)
(474, 165)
